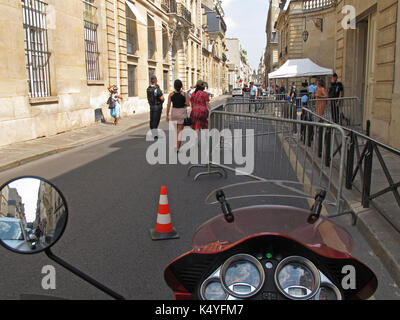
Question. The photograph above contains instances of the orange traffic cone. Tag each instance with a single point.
(164, 229)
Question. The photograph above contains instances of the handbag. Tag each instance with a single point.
(187, 122)
(111, 102)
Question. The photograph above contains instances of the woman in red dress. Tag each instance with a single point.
(200, 102)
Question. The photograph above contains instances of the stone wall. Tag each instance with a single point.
(73, 98)
(378, 20)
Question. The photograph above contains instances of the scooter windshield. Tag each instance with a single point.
(285, 220)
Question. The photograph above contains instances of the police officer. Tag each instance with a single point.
(155, 98)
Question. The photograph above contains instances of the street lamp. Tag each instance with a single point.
(305, 32)
(305, 35)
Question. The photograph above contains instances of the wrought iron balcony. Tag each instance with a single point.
(177, 8)
(316, 5)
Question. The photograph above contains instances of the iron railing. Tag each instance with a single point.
(91, 51)
(36, 48)
(315, 5)
(371, 168)
(180, 10)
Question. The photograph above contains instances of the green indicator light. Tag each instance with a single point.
(269, 256)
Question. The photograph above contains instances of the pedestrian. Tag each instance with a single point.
(293, 93)
(179, 100)
(190, 91)
(282, 91)
(155, 98)
(253, 94)
(114, 103)
(336, 91)
(304, 94)
(200, 103)
(264, 90)
(321, 95)
(312, 88)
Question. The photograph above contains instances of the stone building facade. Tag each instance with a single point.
(367, 60)
(271, 56)
(62, 56)
(307, 29)
(214, 49)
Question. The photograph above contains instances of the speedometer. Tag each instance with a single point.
(212, 290)
(242, 276)
(297, 278)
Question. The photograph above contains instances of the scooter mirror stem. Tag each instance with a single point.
(316, 209)
(83, 276)
(225, 207)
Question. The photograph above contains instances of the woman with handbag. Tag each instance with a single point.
(114, 103)
(179, 100)
(200, 102)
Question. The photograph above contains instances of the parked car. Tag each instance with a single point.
(237, 92)
(12, 234)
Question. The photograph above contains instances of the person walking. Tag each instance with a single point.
(155, 98)
(179, 101)
(200, 103)
(312, 89)
(115, 103)
(336, 91)
(293, 94)
(321, 95)
(304, 94)
(253, 95)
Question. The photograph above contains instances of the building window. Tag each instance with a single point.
(152, 72)
(131, 80)
(36, 48)
(131, 32)
(274, 37)
(165, 43)
(166, 80)
(151, 37)
(91, 44)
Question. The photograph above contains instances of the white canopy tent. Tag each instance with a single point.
(298, 68)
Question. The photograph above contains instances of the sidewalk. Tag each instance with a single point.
(19, 153)
(22, 152)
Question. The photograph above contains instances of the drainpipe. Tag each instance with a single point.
(116, 44)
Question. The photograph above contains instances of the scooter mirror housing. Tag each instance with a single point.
(35, 204)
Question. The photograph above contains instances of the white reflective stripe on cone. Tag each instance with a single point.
(163, 199)
(164, 219)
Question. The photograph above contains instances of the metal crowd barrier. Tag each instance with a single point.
(367, 161)
(286, 149)
(346, 111)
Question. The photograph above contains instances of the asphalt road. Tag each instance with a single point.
(112, 195)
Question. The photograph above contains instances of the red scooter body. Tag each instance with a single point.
(270, 253)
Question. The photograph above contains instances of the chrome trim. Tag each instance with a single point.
(333, 287)
(248, 258)
(204, 286)
(309, 265)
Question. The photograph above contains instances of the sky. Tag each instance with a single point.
(246, 20)
(28, 190)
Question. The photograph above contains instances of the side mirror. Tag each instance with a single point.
(35, 202)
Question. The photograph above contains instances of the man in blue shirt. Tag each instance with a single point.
(312, 89)
(253, 95)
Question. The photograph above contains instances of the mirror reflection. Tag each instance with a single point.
(32, 215)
